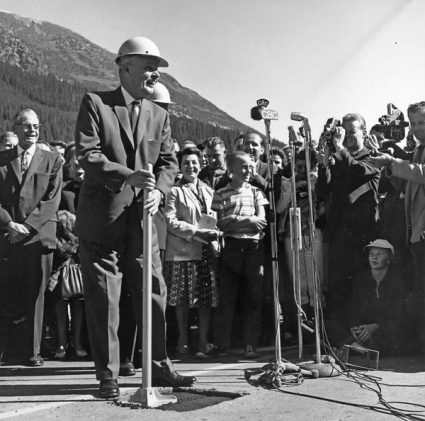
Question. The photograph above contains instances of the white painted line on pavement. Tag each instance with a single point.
(218, 367)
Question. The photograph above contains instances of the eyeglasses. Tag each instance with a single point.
(28, 126)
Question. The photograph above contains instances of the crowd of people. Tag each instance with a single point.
(71, 241)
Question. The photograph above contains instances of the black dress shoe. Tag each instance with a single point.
(164, 377)
(109, 389)
(127, 369)
(35, 361)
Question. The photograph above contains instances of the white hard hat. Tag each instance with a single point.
(141, 46)
(160, 94)
(382, 244)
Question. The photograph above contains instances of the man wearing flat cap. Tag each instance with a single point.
(118, 134)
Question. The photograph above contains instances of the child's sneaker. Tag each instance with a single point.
(250, 352)
(215, 351)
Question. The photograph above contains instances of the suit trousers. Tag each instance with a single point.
(28, 270)
(241, 266)
(104, 267)
(346, 259)
(417, 304)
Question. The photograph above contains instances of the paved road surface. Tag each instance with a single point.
(68, 391)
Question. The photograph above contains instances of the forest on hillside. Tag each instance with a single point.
(57, 103)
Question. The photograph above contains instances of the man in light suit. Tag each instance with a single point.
(118, 134)
(414, 173)
(30, 185)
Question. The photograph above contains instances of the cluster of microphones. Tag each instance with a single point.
(261, 112)
(392, 125)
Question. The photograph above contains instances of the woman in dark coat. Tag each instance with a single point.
(67, 254)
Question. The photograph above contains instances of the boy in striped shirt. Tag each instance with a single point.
(241, 216)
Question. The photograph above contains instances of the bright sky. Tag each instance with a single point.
(323, 58)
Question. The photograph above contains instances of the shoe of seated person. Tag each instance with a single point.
(109, 389)
(35, 361)
(250, 352)
(163, 376)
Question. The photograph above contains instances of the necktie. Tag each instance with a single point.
(135, 114)
(25, 163)
(418, 154)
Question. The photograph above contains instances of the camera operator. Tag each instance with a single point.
(413, 172)
(351, 185)
(379, 134)
(391, 194)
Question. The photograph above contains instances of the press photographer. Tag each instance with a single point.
(413, 172)
(389, 132)
(350, 183)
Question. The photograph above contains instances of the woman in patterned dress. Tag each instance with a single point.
(189, 256)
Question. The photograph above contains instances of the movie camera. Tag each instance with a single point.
(327, 136)
(393, 124)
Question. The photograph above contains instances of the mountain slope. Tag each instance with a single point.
(41, 51)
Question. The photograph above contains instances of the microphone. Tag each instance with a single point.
(297, 116)
(256, 113)
(293, 138)
(260, 112)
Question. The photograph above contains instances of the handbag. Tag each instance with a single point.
(71, 281)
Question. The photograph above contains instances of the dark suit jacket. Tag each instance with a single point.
(35, 199)
(109, 154)
(262, 177)
(360, 218)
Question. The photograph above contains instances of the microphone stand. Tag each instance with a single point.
(273, 239)
(324, 369)
(312, 235)
(273, 373)
(296, 243)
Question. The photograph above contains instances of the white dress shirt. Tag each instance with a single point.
(30, 151)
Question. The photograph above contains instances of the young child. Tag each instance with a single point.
(241, 216)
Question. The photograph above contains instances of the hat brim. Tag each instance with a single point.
(161, 62)
(391, 249)
(162, 102)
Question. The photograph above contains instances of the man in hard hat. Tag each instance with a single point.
(118, 134)
(126, 330)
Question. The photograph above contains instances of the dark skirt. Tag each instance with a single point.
(192, 283)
